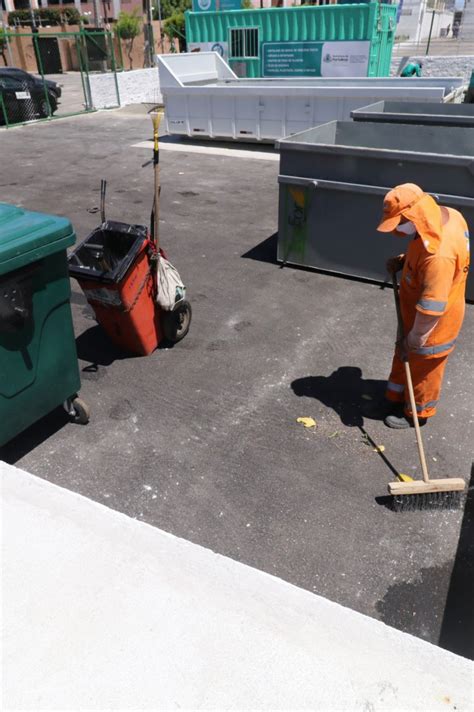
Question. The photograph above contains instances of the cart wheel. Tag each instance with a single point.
(176, 323)
(81, 413)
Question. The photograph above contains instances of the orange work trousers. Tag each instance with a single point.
(427, 376)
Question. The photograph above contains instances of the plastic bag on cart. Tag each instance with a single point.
(171, 290)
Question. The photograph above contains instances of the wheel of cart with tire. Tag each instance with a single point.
(176, 323)
(78, 410)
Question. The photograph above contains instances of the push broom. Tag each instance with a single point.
(426, 493)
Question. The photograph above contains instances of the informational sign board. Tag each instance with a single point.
(215, 5)
(315, 59)
(221, 48)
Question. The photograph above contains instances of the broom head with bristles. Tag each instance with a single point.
(435, 494)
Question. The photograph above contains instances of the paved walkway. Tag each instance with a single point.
(103, 612)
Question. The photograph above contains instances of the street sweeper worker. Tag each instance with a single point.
(432, 297)
(412, 69)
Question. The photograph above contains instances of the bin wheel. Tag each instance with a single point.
(81, 412)
(176, 323)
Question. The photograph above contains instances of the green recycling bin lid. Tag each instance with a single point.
(27, 237)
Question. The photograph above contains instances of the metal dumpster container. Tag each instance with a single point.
(38, 360)
(203, 97)
(403, 112)
(333, 179)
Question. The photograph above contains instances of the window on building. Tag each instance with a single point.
(244, 43)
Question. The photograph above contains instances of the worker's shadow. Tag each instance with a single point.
(346, 392)
(353, 398)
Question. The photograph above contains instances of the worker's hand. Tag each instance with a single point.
(401, 349)
(395, 264)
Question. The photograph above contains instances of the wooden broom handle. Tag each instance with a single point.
(419, 441)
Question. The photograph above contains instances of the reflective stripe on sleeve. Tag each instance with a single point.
(397, 387)
(432, 305)
(433, 350)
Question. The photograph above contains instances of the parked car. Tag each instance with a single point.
(23, 102)
(52, 87)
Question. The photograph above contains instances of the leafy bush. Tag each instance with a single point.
(171, 7)
(3, 46)
(174, 28)
(45, 16)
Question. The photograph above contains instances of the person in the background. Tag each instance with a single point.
(469, 99)
(456, 30)
(412, 69)
(432, 297)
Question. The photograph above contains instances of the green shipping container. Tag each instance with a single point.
(38, 360)
(328, 41)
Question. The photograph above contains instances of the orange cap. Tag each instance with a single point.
(409, 200)
(401, 198)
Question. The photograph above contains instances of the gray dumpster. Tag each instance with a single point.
(333, 179)
(398, 112)
(203, 97)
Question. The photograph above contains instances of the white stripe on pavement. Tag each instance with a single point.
(211, 150)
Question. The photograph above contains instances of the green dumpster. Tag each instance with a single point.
(38, 360)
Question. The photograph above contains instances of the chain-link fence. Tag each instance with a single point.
(47, 75)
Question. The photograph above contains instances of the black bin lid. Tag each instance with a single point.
(108, 252)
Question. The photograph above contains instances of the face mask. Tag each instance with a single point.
(407, 228)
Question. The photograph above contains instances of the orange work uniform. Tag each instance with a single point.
(433, 282)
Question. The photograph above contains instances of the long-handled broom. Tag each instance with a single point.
(426, 493)
(156, 118)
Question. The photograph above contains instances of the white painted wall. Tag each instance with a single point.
(103, 612)
(415, 21)
(134, 87)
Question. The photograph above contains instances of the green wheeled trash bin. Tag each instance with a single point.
(38, 360)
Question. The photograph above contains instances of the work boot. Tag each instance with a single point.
(400, 422)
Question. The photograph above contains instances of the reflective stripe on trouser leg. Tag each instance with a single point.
(395, 391)
(427, 376)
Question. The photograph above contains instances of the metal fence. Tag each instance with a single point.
(48, 90)
(444, 47)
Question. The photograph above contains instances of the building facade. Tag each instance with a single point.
(106, 10)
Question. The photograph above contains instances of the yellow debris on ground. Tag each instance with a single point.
(307, 422)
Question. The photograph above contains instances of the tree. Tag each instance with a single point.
(128, 27)
(174, 28)
(170, 7)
